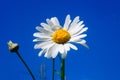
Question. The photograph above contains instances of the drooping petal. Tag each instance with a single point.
(83, 42)
(72, 46)
(52, 52)
(48, 53)
(67, 22)
(77, 38)
(85, 45)
(61, 48)
(67, 48)
(41, 52)
(64, 53)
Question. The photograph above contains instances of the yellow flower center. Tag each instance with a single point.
(61, 36)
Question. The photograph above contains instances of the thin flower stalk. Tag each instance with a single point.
(33, 78)
(63, 69)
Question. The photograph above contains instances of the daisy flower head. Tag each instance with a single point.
(52, 38)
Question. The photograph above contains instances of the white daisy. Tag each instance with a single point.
(54, 39)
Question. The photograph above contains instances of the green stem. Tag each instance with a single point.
(53, 68)
(63, 69)
(25, 65)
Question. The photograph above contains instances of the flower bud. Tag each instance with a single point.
(13, 47)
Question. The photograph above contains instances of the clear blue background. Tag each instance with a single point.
(18, 19)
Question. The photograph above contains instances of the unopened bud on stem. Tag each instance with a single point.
(13, 47)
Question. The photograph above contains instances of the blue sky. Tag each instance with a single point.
(18, 19)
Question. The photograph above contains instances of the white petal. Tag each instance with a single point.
(41, 39)
(46, 26)
(67, 22)
(41, 35)
(47, 46)
(41, 52)
(76, 30)
(67, 47)
(48, 54)
(54, 51)
(82, 30)
(64, 54)
(76, 38)
(83, 42)
(55, 21)
(73, 46)
(43, 45)
(52, 25)
(85, 45)
(74, 23)
(80, 25)
(35, 40)
(77, 27)
(56, 27)
(79, 36)
(61, 48)
(49, 22)
(42, 30)
(76, 19)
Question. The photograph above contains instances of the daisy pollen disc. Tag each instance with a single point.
(61, 36)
